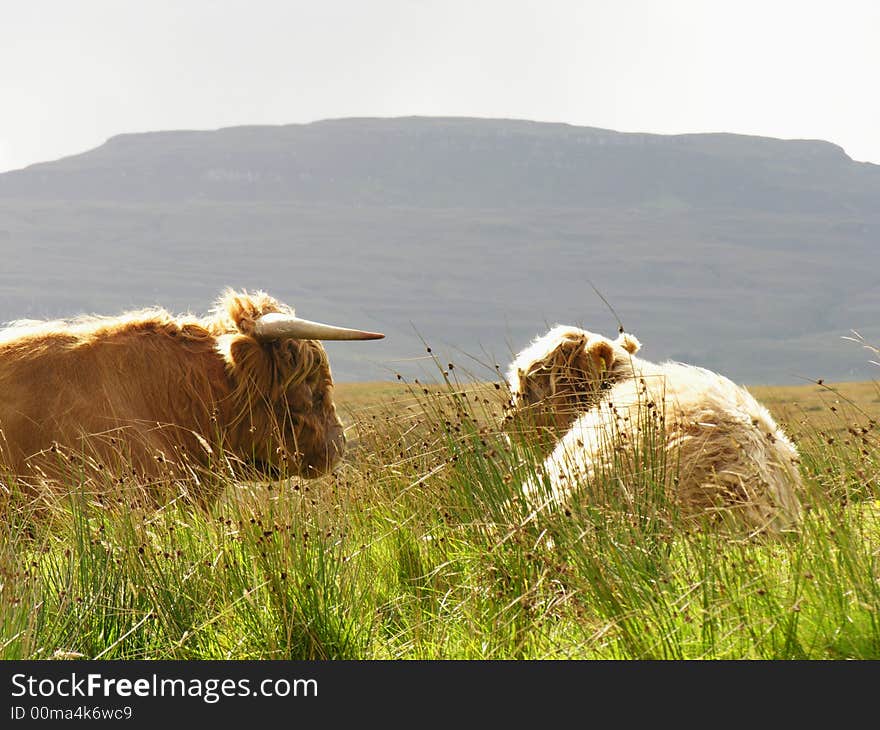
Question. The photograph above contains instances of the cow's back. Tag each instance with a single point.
(125, 397)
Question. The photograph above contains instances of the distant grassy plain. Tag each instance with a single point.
(810, 402)
(417, 548)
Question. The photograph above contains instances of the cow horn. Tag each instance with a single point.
(277, 326)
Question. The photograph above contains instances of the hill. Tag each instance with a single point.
(749, 255)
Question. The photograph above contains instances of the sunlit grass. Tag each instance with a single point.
(419, 546)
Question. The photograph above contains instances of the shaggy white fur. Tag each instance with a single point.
(724, 450)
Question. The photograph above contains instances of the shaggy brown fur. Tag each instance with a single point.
(147, 394)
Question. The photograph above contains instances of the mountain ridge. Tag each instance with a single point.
(527, 123)
(453, 162)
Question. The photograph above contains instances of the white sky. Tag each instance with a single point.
(75, 72)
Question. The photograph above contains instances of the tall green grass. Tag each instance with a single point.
(421, 546)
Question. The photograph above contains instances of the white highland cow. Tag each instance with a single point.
(724, 451)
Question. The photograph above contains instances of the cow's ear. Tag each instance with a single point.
(601, 353)
(239, 310)
(252, 364)
(628, 342)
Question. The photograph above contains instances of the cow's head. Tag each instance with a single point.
(562, 374)
(282, 389)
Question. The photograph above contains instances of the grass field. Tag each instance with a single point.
(417, 549)
(825, 405)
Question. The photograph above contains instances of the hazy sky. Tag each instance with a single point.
(75, 72)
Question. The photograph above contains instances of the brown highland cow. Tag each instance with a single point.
(147, 396)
